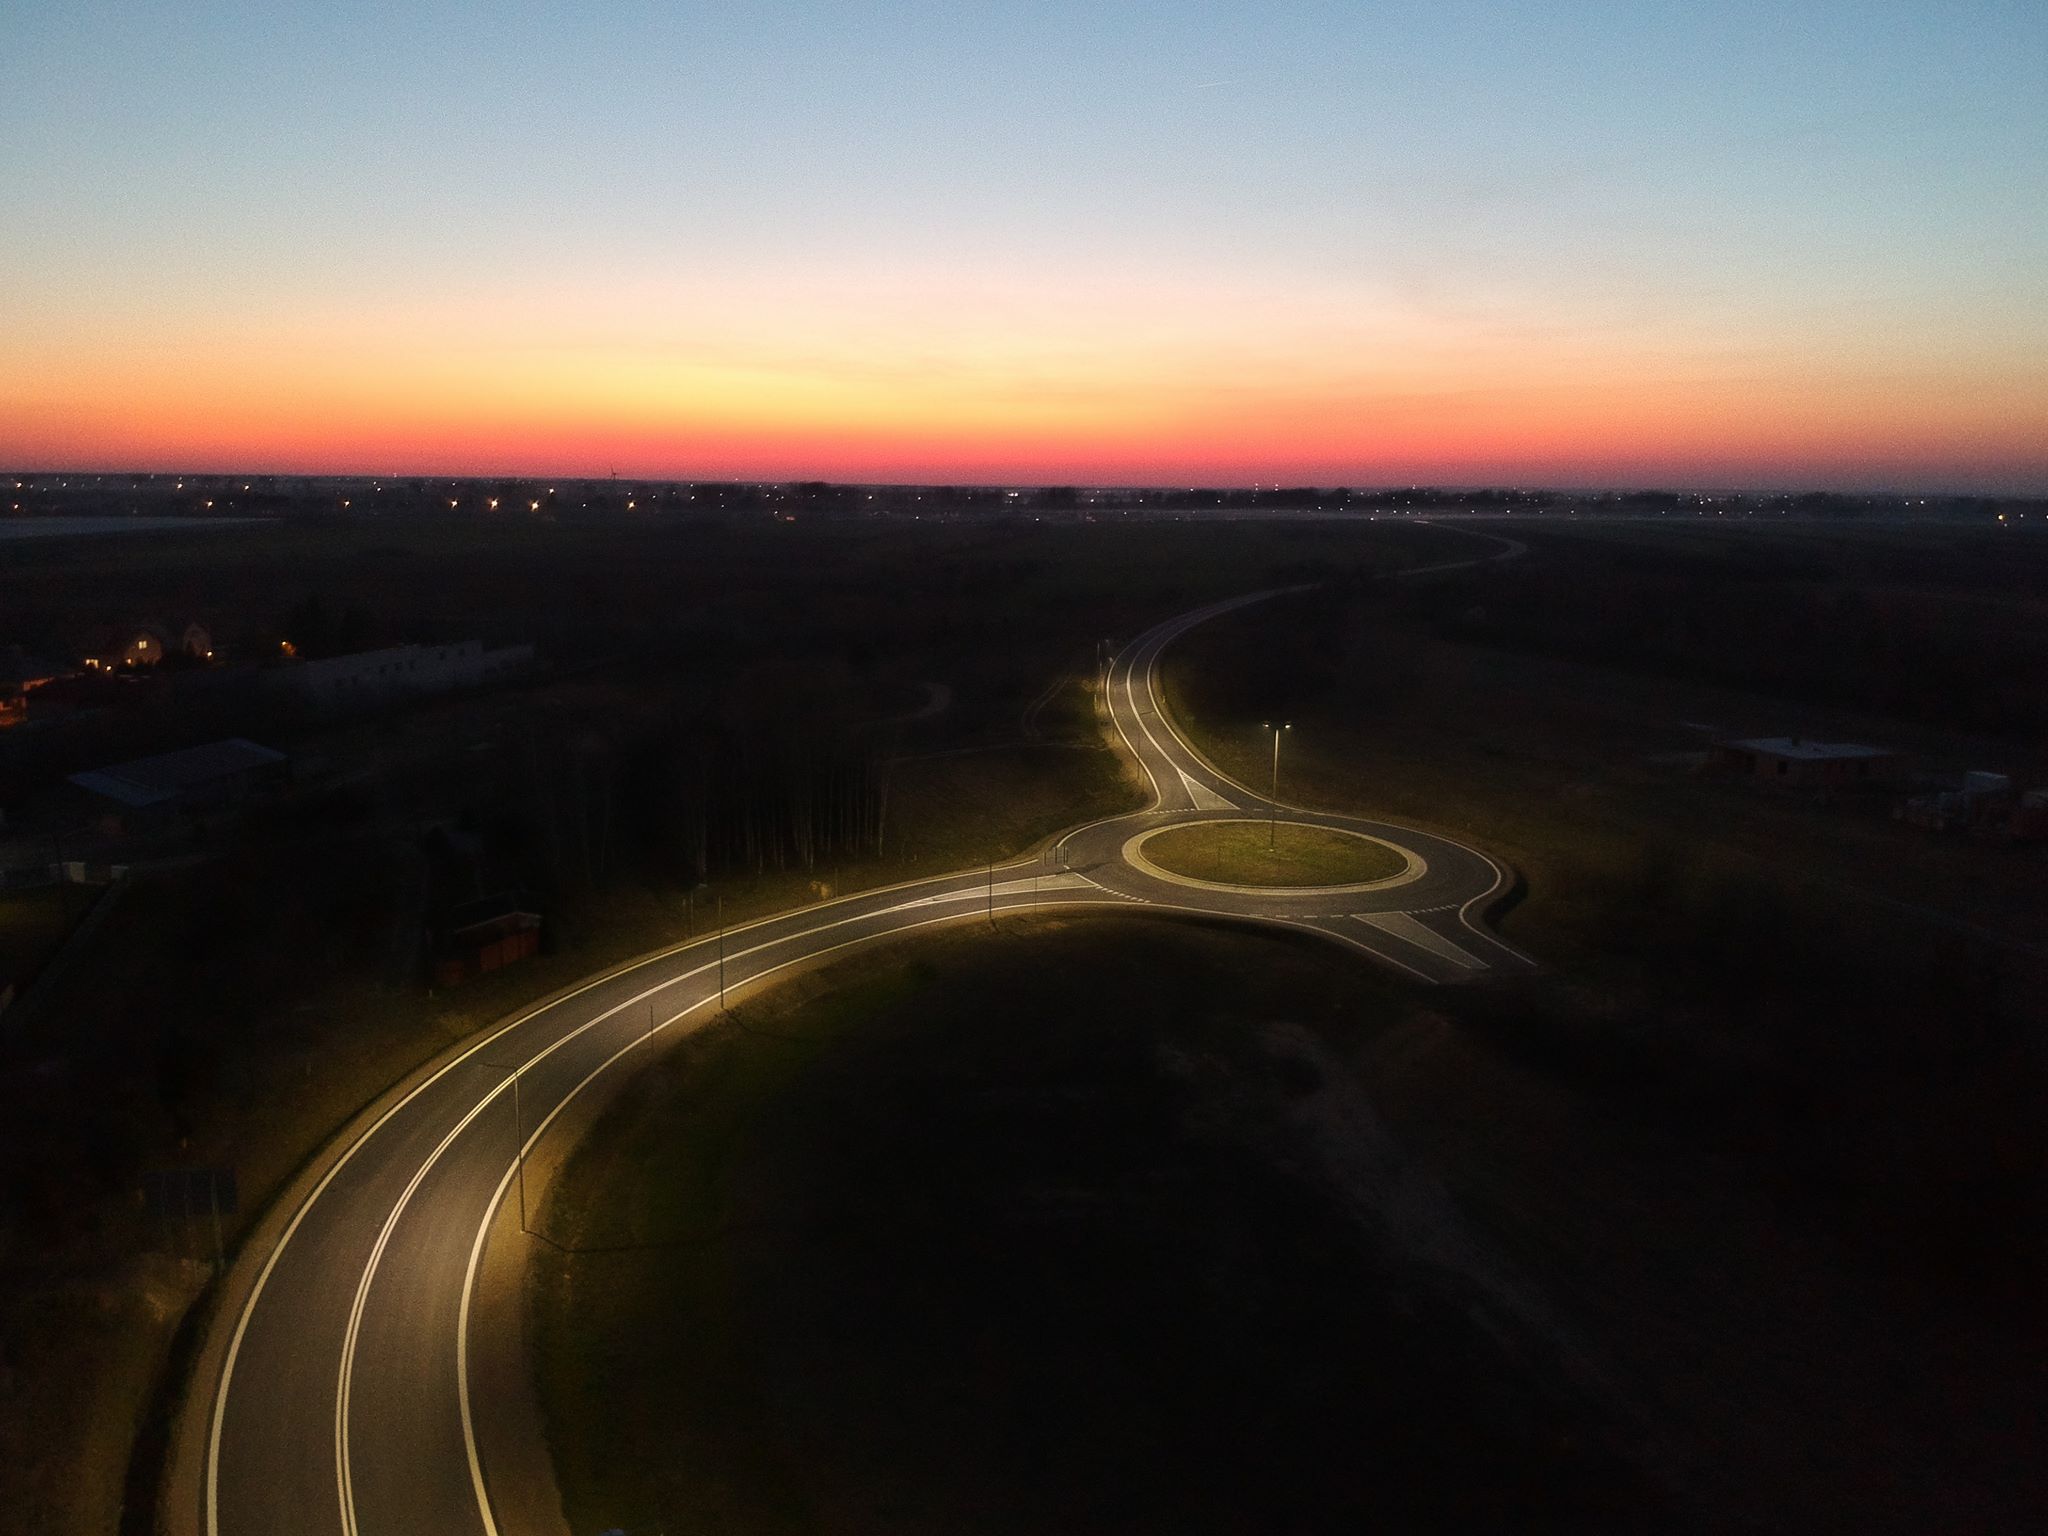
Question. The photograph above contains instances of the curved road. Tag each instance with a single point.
(338, 1404)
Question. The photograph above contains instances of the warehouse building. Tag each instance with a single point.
(1800, 764)
(156, 791)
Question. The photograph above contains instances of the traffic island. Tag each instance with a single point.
(1286, 855)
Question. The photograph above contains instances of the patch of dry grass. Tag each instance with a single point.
(1280, 854)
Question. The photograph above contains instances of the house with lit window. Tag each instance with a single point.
(148, 645)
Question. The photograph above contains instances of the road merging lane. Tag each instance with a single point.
(341, 1404)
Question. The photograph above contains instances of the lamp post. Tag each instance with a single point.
(1273, 800)
(518, 1137)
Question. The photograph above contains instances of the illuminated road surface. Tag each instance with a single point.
(336, 1387)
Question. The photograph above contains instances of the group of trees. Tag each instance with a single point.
(783, 771)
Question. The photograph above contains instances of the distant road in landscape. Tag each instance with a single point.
(333, 1397)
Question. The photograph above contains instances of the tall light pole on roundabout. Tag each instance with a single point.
(1273, 800)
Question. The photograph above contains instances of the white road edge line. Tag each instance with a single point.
(1348, 937)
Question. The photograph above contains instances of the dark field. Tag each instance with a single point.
(1802, 1177)
(1938, 626)
(1085, 1227)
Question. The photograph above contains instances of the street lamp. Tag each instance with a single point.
(518, 1136)
(1273, 800)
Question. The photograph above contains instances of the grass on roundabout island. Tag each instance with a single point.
(1238, 853)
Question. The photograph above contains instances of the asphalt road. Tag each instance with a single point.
(336, 1393)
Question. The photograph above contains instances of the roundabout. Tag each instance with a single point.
(360, 1379)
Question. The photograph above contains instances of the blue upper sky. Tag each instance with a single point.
(1806, 178)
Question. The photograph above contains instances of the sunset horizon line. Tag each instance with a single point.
(2024, 490)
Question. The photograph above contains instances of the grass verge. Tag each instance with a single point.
(1083, 1226)
(35, 923)
(1283, 854)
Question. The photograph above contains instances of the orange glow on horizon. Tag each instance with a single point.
(1282, 393)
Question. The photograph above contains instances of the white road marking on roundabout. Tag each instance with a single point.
(1346, 936)
(1205, 798)
(1500, 878)
(1422, 936)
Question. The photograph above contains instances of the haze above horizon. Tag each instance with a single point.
(1732, 245)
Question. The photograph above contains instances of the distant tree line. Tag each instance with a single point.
(504, 499)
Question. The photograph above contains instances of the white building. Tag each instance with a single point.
(372, 678)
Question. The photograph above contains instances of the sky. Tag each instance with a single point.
(1726, 244)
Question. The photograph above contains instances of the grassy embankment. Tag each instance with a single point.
(1084, 1226)
(1247, 853)
(34, 924)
